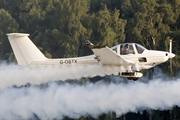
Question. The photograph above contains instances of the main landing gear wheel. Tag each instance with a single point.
(133, 78)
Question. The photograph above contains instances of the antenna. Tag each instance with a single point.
(33, 33)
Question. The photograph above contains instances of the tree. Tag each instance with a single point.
(150, 24)
(7, 25)
(107, 28)
(31, 15)
(64, 31)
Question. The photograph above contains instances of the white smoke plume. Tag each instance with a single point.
(12, 74)
(74, 101)
(56, 101)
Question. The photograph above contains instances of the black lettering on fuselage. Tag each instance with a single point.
(75, 61)
(68, 61)
(61, 61)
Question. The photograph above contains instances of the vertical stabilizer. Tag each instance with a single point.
(24, 49)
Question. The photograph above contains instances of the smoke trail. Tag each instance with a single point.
(18, 75)
(57, 101)
(74, 101)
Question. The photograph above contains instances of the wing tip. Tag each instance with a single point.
(17, 34)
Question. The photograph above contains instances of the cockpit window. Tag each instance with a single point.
(127, 48)
(115, 49)
(140, 48)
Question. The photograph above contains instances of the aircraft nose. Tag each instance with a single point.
(171, 55)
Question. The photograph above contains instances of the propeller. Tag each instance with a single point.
(170, 51)
(170, 54)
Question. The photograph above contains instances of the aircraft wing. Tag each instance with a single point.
(106, 56)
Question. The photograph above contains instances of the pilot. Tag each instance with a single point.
(126, 50)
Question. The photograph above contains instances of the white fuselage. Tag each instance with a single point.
(145, 60)
(126, 58)
(148, 59)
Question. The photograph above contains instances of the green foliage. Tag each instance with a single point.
(60, 27)
(106, 26)
(7, 25)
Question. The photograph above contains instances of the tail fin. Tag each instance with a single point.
(24, 49)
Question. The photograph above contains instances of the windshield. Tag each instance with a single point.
(115, 49)
(140, 49)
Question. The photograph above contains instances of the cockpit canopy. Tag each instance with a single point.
(128, 48)
(140, 49)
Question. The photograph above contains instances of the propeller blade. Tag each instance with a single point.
(170, 46)
(170, 55)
